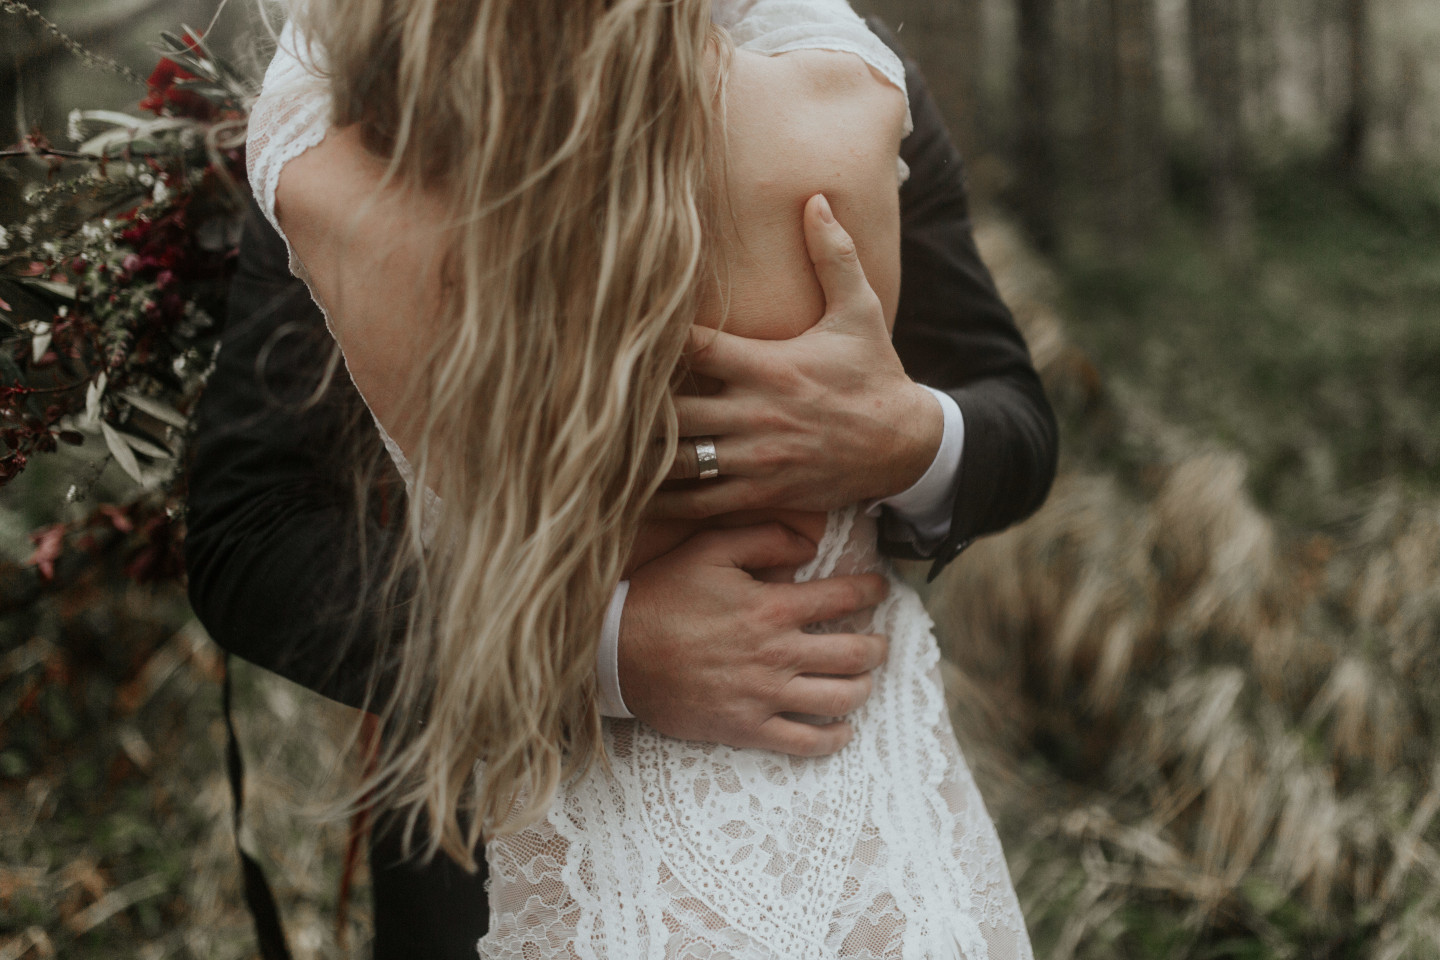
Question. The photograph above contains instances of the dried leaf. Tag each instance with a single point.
(121, 452)
(156, 408)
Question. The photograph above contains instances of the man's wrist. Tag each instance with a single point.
(927, 506)
(919, 432)
(607, 656)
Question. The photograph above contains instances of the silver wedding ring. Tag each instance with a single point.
(705, 458)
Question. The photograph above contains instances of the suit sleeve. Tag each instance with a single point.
(954, 333)
(281, 573)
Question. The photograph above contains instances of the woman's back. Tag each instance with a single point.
(807, 122)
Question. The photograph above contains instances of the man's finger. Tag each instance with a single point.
(757, 547)
(826, 696)
(801, 739)
(707, 416)
(686, 465)
(724, 356)
(712, 498)
(816, 601)
(832, 251)
(838, 654)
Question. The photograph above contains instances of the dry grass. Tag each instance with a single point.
(1203, 735)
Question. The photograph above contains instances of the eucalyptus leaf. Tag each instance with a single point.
(39, 341)
(65, 291)
(157, 409)
(121, 452)
(143, 446)
(113, 117)
(93, 392)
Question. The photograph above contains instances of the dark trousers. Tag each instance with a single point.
(433, 911)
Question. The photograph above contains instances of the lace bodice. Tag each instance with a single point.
(689, 851)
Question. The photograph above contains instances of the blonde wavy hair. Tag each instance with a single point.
(569, 138)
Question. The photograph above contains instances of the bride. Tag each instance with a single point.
(511, 212)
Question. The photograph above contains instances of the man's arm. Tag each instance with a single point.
(274, 548)
(953, 332)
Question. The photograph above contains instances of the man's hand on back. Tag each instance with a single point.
(709, 652)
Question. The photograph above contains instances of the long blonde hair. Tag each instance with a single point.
(568, 137)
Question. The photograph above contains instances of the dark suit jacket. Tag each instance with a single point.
(273, 544)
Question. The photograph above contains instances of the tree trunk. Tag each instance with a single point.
(946, 38)
(1129, 144)
(1217, 68)
(1355, 126)
(1035, 196)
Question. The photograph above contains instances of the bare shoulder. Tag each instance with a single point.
(812, 93)
(371, 255)
(797, 124)
(834, 80)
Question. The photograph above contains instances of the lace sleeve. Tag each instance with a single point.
(290, 116)
(779, 26)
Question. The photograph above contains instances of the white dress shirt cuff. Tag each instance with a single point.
(927, 506)
(607, 658)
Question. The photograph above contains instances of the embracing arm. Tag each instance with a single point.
(276, 571)
(954, 333)
(273, 548)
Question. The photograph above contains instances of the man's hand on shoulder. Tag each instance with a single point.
(710, 652)
(816, 422)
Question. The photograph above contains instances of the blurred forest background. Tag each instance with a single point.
(1200, 690)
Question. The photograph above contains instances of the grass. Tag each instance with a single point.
(115, 835)
(1316, 355)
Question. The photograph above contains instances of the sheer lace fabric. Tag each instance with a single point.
(684, 851)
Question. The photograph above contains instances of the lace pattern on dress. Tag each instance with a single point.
(683, 850)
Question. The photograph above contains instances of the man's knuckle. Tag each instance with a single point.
(770, 457)
(852, 658)
(847, 595)
(774, 659)
(778, 613)
(837, 703)
(770, 421)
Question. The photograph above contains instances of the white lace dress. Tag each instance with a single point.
(690, 851)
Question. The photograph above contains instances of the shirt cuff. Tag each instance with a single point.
(607, 657)
(927, 507)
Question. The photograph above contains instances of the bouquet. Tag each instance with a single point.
(110, 288)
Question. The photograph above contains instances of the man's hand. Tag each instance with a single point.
(812, 423)
(709, 652)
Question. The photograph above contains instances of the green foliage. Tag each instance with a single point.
(1317, 354)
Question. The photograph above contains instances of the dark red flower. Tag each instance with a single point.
(49, 543)
(163, 96)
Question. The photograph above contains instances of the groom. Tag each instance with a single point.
(697, 648)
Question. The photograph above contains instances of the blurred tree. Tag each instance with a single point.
(1126, 122)
(1215, 29)
(946, 38)
(1355, 124)
(1034, 194)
